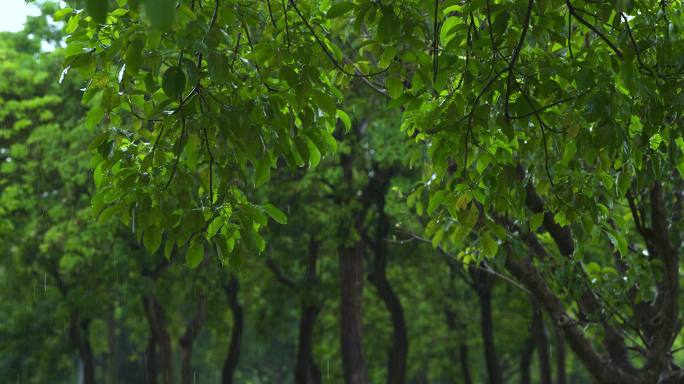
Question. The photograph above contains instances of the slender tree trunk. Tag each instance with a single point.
(484, 292)
(526, 361)
(305, 365)
(378, 277)
(465, 363)
(187, 340)
(151, 360)
(560, 360)
(351, 287)
(542, 343)
(230, 365)
(162, 340)
(351, 313)
(78, 332)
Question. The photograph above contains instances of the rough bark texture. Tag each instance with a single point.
(162, 342)
(231, 362)
(542, 344)
(187, 339)
(482, 282)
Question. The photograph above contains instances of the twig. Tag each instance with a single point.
(328, 53)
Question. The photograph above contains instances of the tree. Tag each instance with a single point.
(551, 129)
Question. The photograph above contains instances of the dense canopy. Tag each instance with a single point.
(343, 191)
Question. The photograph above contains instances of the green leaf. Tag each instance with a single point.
(94, 116)
(275, 213)
(489, 245)
(161, 13)
(195, 253)
(134, 57)
(536, 221)
(314, 153)
(344, 118)
(262, 172)
(395, 87)
(173, 83)
(152, 239)
(339, 9)
(97, 9)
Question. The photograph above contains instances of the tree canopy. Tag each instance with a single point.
(266, 159)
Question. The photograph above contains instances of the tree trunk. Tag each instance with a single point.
(78, 332)
(560, 360)
(151, 360)
(465, 364)
(230, 365)
(542, 344)
(186, 341)
(526, 361)
(305, 365)
(351, 313)
(482, 283)
(351, 286)
(157, 322)
(378, 277)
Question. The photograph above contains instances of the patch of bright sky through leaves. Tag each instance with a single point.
(13, 15)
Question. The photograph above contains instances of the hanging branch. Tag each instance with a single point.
(179, 146)
(270, 13)
(287, 24)
(542, 109)
(435, 42)
(327, 52)
(570, 34)
(600, 34)
(514, 58)
(214, 15)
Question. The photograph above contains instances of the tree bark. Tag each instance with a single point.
(351, 313)
(157, 322)
(465, 364)
(351, 285)
(482, 282)
(378, 277)
(542, 344)
(187, 340)
(151, 369)
(78, 332)
(526, 361)
(231, 362)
